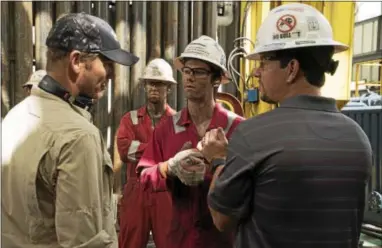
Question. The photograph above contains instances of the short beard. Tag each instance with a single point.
(154, 101)
(266, 99)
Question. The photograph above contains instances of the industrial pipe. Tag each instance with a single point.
(5, 60)
(63, 8)
(170, 43)
(84, 6)
(155, 24)
(43, 24)
(197, 19)
(211, 14)
(183, 40)
(24, 44)
(138, 47)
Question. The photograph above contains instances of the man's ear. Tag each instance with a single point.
(293, 69)
(74, 61)
(216, 82)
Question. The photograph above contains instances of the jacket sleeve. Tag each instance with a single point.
(129, 148)
(79, 196)
(234, 125)
(153, 155)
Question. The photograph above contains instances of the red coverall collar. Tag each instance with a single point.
(218, 115)
(142, 111)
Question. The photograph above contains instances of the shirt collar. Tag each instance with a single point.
(36, 91)
(310, 102)
(142, 111)
(218, 116)
(51, 86)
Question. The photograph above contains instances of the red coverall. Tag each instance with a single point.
(191, 223)
(140, 211)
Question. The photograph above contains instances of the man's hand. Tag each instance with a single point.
(185, 163)
(163, 167)
(214, 144)
(188, 165)
(192, 170)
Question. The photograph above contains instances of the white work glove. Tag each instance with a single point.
(188, 165)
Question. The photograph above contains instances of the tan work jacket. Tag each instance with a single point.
(56, 177)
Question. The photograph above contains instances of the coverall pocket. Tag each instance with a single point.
(130, 193)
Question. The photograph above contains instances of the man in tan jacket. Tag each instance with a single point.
(57, 175)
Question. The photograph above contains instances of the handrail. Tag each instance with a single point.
(376, 62)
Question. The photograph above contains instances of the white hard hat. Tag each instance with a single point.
(294, 25)
(35, 78)
(158, 69)
(207, 49)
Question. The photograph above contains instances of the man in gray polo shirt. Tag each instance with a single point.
(295, 176)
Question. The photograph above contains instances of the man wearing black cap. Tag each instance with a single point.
(57, 174)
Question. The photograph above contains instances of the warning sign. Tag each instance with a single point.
(286, 23)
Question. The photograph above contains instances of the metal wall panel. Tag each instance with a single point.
(367, 39)
(43, 23)
(357, 41)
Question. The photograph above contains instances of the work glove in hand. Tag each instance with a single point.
(192, 171)
(188, 165)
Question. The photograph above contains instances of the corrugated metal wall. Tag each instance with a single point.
(371, 122)
(148, 29)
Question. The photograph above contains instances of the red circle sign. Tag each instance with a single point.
(286, 23)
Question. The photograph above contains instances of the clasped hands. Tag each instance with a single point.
(191, 164)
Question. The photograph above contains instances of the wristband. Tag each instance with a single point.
(215, 163)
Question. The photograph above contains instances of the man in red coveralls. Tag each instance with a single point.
(168, 163)
(141, 211)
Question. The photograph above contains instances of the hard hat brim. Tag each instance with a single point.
(178, 64)
(255, 55)
(142, 79)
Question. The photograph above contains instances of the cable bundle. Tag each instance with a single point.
(240, 51)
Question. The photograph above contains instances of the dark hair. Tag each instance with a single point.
(53, 55)
(314, 62)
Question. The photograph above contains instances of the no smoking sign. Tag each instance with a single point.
(286, 23)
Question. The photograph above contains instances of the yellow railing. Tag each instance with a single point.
(358, 66)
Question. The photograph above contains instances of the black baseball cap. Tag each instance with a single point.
(87, 33)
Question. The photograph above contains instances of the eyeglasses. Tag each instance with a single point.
(196, 72)
(155, 84)
(264, 59)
